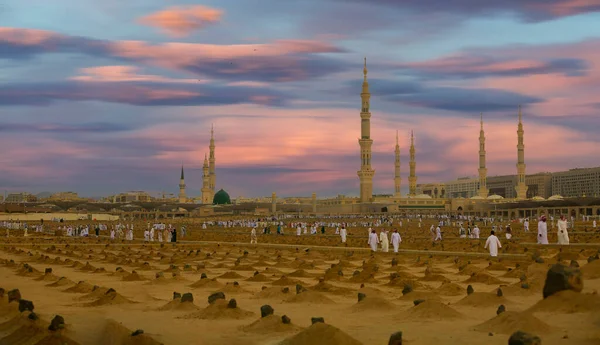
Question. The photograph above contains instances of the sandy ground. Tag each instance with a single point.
(145, 276)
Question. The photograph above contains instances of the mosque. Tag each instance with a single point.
(424, 198)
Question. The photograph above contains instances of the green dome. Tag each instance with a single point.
(221, 198)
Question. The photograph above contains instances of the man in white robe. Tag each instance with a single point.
(563, 235)
(396, 240)
(385, 243)
(373, 240)
(438, 234)
(493, 243)
(526, 225)
(343, 234)
(475, 232)
(253, 238)
(594, 224)
(542, 231)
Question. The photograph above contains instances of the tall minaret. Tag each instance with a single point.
(211, 159)
(365, 174)
(412, 178)
(483, 191)
(207, 194)
(521, 187)
(182, 197)
(397, 179)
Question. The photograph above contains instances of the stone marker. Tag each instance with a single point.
(522, 338)
(137, 332)
(176, 295)
(418, 301)
(501, 309)
(232, 304)
(187, 297)
(561, 277)
(286, 320)
(499, 293)
(25, 305)
(395, 339)
(361, 296)
(470, 289)
(215, 296)
(407, 289)
(314, 320)
(58, 322)
(266, 310)
(14, 295)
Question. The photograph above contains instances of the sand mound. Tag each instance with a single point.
(372, 304)
(48, 277)
(258, 278)
(300, 274)
(515, 273)
(111, 297)
(321, 334)
(568, 302)
(510, 322)
(285, 281)
(243, 268)
(133, 277)
(434, 278)
(177, 305)
(591, 270)
(482, 299)
(97, 292)
(232, 288)
(450, 289)
(62, 281)
(270, 324)
(274, 292)
(116, 334)
(22, 330)
(87, 268)
(81, 287)
(496, 266)
(468, 270)
(309, 297)
(207, 283)
(431, 310)
(230, 275)
(219, 311)
(414, 295)
(484, 278)
(370, 291)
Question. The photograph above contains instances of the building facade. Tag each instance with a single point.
(463, 187)
(577, 183)
(16, 198)
(539, 185)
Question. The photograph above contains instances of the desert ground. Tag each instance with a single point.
(214, 287)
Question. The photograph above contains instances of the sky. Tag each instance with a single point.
(102, 97)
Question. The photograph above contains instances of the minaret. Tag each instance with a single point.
(412, 178)
(397, 179)
(207, 193)
(182, 197)
(365, 174)
(211, 160)
(521, 187)
(483, 191)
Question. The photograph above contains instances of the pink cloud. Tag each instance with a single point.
(568, 7)
(125, 74)
(181, 21)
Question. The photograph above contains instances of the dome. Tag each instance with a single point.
(555, 197)
(495, 197)
(477, 197)
(221, 198)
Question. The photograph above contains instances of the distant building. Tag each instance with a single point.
(132, 196)
(577, 183)
(503, 186)
(435, 190)
(65, 196)
(539, 185)
(16, 198)
(463, 187)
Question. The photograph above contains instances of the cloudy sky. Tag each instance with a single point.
(107, 96)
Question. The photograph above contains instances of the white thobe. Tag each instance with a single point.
(343, 234)
(594, 224)
(396, 239)
(253, 238)
(385, 243)
(475, 232)
(373, 241)
(298, 231)
(563, 235)
(542, 233)
(438, 234)
(493, 243)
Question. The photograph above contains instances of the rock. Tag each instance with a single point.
(232, 304)
(2, 293)
(109, 291)
(490, 334)
(470, 289)
(561, 277)
(286, 320)
(137, 332)
(394, 262)
(501, 309)
(524, 286)
(236, 284)
(539, 260)
(176, 295)
(407, 289)
(522, 338)
(58, 322)
(203, 276)
(499, 293)
(48, 271)
(159, 275)
(215, 296)
(574, 263)
(256, 273)
(266, 310)
(395, 339)
(33, 316)
(340, 273)
(187, 297)
(314, 320)
(356, 273)
(361, 296)
(299, 289)
(14, 295)
(25, 305)
(418, 301)
(284, 290)
(522, 278)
